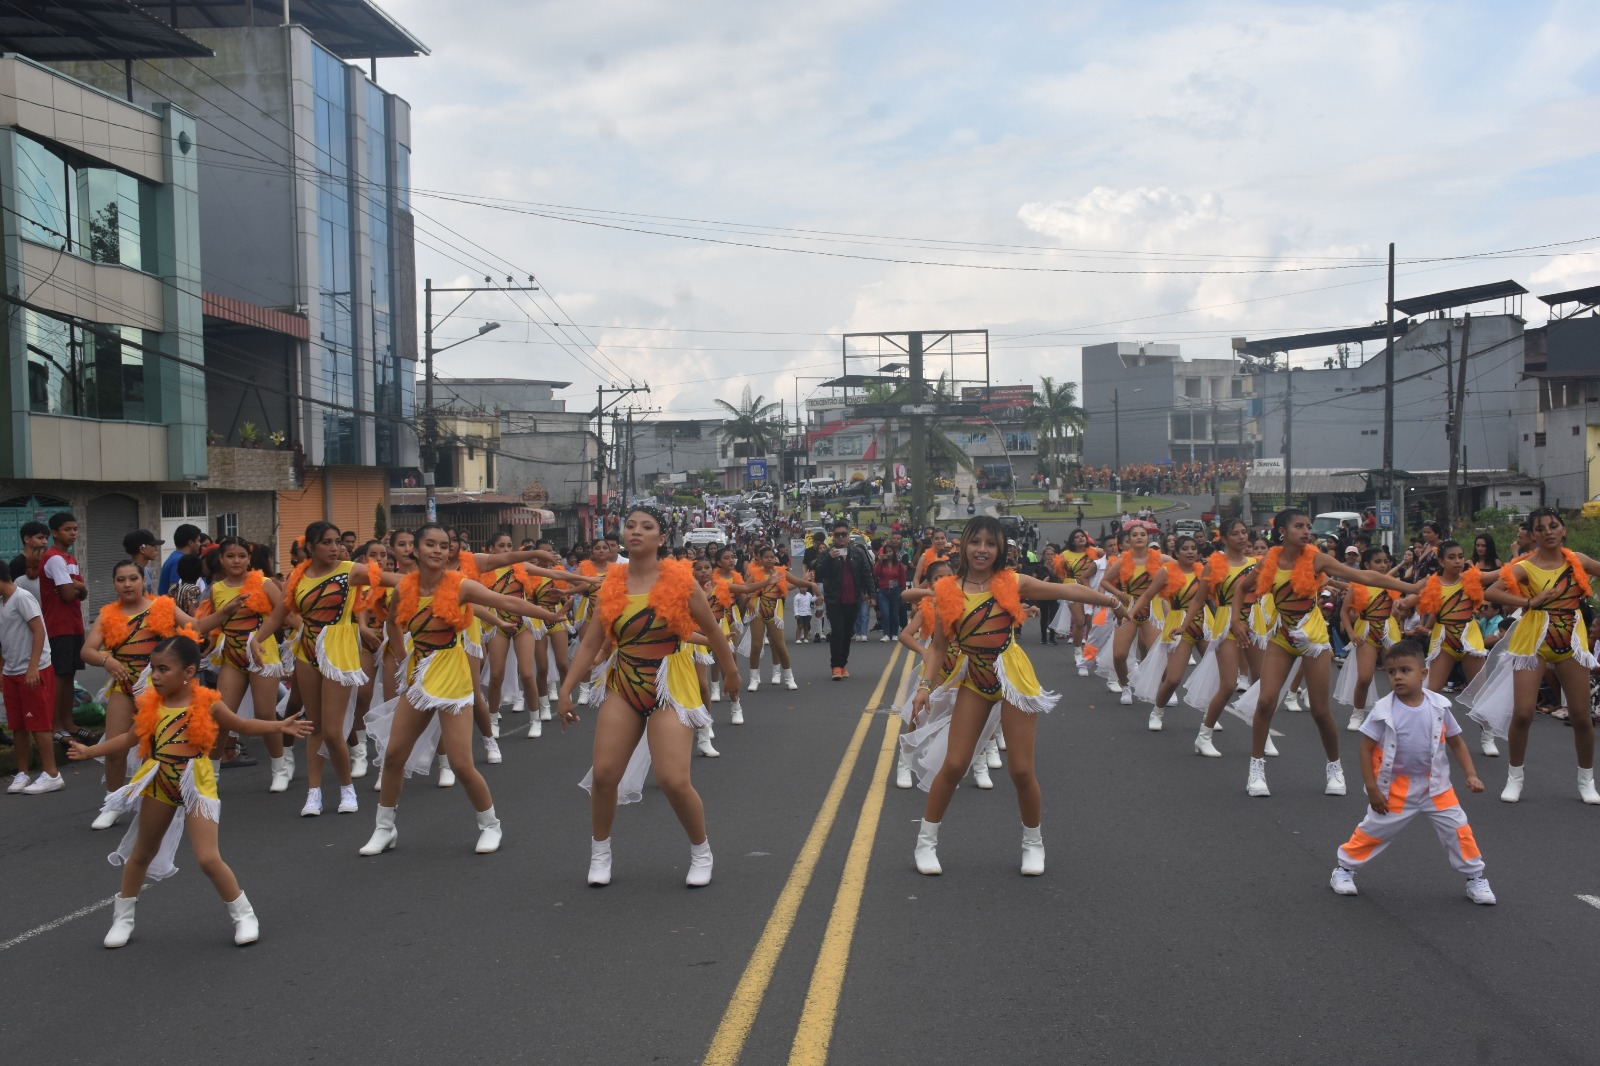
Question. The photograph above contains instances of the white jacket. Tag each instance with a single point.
(1439, 754)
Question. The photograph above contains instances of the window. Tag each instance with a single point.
(1236, 389)
(96, 212)
(228, 525)
(85, 372)
(337, 336)
(1181, 425)
(1574, 431)
(183, 505)
(1191, 388)
(1538, 440)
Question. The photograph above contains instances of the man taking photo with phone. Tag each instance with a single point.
(845, 572)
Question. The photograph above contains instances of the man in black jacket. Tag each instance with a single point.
(845, 573)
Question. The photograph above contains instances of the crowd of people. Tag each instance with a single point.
(1155, 479)
(403, 653)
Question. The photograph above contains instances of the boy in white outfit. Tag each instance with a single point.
(804, 607)
(1406, 771)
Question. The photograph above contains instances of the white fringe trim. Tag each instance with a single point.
(348, 678)
(282, 668)
(695, 717)
(196, 804)
(1043, 703)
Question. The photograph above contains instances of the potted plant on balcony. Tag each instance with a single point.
(250, 435)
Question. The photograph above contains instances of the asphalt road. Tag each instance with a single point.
(1180, 921)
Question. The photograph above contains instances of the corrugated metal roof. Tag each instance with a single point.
(63, 31)
(1318, 484)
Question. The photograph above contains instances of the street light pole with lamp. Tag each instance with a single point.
(430, 416)
(1116, 444)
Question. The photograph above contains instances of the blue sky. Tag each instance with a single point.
(1262, 138)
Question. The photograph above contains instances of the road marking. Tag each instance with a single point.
(1593, 901)
(815, 1033)
(734, 1029)
(81, 912)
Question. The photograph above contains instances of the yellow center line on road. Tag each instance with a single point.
(815, 1033)
(740, 1017)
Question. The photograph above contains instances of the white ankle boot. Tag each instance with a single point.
(544, 710)
(1203, 745)
(1586, 790)
(1000, 740)
(121, 921)
(385, 836)
(281, 769)
(755, 680)
(980, 774)
(902, 776)
(702, 743)
(246, 930)
(1155, 722)
(738, 714)
(358, 756)
(716, 692)
(488, 832)
(699, 865)
(1271, 749)
(991, 754)
(447, 776)
(105, 820)
(600, 862)
(777, 674)
(494, 726)
(1032, 851)
(1513, 790)
(927, 850)
(788, 680)
(535, 727)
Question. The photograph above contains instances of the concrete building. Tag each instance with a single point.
(305, 237)
(1160, 407)
(1557, 431)
(104, 383)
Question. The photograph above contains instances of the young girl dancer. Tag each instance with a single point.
(767, 621)
(1288, 627)
(1366, 615)
(734, 595)
(524, 580)
(978, 610)
(916, 636)
(1137, 566)
(237, 672)
(120, 642)
(1448, 605)
(1076, 564)
(1182, 584)
(175, 727)
(1548, 586)
(433, 606)
(1230, 577)
(647, 612)
(327, 654)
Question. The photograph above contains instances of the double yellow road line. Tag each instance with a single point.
(815, 1031)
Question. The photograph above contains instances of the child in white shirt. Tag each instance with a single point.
(805, 604)
(1407, 772)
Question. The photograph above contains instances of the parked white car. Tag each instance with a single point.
(705, 536)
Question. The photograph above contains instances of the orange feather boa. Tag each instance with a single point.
(951, 603)
(669, 597)
(468, 564)
(162, 618)
(292, 586)
(723, 593)
(587, 569)
(1508, 578)
(200, 729)
(251, 592)
(1175, 580)
(1216, 571)
(1303, 580)
(758, 575)
(1152, 565)
(446, 604)
(1361, 595)
(1431, 597)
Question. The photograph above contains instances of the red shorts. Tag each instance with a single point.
(30, 708)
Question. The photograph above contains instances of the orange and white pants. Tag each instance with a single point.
(1408, 799)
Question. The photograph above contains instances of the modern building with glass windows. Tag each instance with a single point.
(305, 233)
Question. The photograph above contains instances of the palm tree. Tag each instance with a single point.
(887, 392)
(1057, 417)
(752, 422)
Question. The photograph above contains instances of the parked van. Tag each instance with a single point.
(1330, 523)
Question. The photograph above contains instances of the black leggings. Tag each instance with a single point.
(1047, 614)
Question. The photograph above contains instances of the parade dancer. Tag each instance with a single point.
(1288, 626)
(978, 609)
(1406, 772)
(1368, 619)
(938, 548)
(1182, 584)
(327, 654)
(735, 620)
(433, 606)
(1076, 564)
(766, 624)
(1137, 567)
(1230, 575)
(1548, 585)
(175, 727)
(1448, 605)
(120, 642)
(648, 611)
(237, 671)
(916, 637)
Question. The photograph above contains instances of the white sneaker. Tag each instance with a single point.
(491, 751)
(699, 865)
(1271, 749)
(1335, 786)
(488, 833)
(1257, 784)
(1083, 669)
(535, 727)
(105, 819)
(1203, 745)
(1513, 790)
(313, 806)
(53, 783)
(494, 726)
(755, 681)
(552, 690)
(702, 738)
(348, 804)
(545, 714)
(716, 692)
(1155, 720)
(18, 783)
(1478, 891)
(1357, 718)
(600, 862)
(1126, 699)
(1113, 685)
(1343, 881)
(1242, 685)
(788, 681)
(447, 776)
(1487, 745)
(1586, 789)
(738, 713)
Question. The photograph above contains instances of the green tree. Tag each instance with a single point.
(380, 523)
(1057, 418)
(752, 422)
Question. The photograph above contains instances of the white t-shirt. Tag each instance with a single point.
(57, 569)
(16, 637)
(1413, 736)
(803, 603)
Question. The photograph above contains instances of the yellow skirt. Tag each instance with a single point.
(441, 681)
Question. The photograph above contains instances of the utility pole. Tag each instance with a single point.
(1288, 432)
(1452, 501)
(1216, 480)
(1116, 447)
(1388, 411)
(919, 435)
(429, 440)
(600, 408)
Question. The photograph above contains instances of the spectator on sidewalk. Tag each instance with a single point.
(61, 596)
(28, 686)
(144, 548)
(845, 573)
(186, 541)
